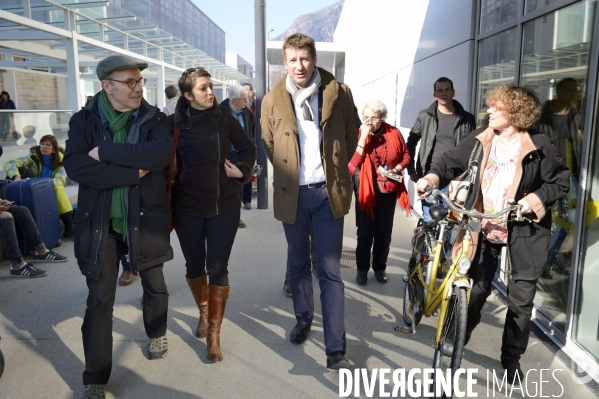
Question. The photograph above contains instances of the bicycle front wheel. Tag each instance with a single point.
(449, 350)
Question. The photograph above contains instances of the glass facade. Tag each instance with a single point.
(548, 48)
(184, 20)
(554, 62)
(496, 58)
(494, 13)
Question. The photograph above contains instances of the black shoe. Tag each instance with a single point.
(362, 278)
(299, 333)
(337, 361)
(381, 276)
(514, 375)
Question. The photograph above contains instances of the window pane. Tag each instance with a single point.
(496, 57)
(555, 57)
(532, 5)
(496, 12)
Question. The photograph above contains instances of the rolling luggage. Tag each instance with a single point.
(39, 196)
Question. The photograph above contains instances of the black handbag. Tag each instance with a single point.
(462, 190)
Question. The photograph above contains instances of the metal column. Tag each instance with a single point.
(260, 86)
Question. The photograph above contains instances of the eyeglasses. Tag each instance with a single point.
(131, 83)
(495, 108)
(373, 119)
(190, 70)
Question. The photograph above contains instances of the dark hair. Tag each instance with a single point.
(561, 85)
(300, 41)
(248, 84)
(55, 148)
(442, 79)
(188, 79)
(170, 92)
(7, 95)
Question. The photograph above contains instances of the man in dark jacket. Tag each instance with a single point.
(236, 106)
(440, 127)
(117, 150)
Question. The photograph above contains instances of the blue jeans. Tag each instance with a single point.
(314, 210)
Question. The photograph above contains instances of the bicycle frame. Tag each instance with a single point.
(434, 293)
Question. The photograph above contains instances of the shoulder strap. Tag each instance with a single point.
(171, 165)
(475, 155)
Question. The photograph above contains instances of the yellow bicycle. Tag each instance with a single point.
(426, 295)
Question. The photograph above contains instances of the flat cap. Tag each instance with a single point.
(117, 63)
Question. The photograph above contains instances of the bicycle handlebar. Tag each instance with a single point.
(472, 213)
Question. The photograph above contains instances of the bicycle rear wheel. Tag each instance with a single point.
(413, 298)
(449, 351)
(1, 363)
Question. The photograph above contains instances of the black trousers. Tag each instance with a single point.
(375, 234)
(97, 324)
(8, 235)
(520, 296)
(206, 244)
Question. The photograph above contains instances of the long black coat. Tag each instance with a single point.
(148, 234)
(541, 178)
(202, 187)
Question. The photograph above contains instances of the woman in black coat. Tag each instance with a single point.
(205, 196)
(516, 163)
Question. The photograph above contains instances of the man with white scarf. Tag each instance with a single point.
(309, 132)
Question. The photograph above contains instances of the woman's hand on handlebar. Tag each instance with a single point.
(421, 186)
(524, 207)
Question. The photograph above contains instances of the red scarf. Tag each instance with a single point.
(368, 174)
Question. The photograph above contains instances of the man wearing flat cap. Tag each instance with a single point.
(117, 150)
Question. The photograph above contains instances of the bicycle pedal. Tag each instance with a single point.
(404, 330)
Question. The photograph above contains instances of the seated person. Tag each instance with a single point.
(45, 160)
(8, 236)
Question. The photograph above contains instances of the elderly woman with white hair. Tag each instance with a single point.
(381, 152)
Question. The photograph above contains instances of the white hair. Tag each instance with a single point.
(377, 107)
(235, 91)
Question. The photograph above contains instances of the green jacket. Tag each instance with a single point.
(59, 177)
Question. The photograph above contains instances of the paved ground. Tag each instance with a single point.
(40, 322)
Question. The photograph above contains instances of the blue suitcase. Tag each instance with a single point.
(39, 196)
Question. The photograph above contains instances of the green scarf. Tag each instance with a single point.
(117, 122)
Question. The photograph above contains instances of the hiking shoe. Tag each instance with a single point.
(337, 361)
(157, 347)
(94, 391)
(287, 289)
(27, 270)
(50, 257)
(247, 206)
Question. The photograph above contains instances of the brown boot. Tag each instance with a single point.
(199, 289)
(216, 312)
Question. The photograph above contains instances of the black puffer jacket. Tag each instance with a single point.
(202, 187)
(148, 211)
(540, 178)
(425, 129)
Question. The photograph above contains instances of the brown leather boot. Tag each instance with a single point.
(216, 311)
(199, 289)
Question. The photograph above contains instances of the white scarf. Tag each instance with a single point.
(302, 97)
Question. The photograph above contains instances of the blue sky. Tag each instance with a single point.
(236, 18)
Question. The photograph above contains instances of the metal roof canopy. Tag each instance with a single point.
(42, 32)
